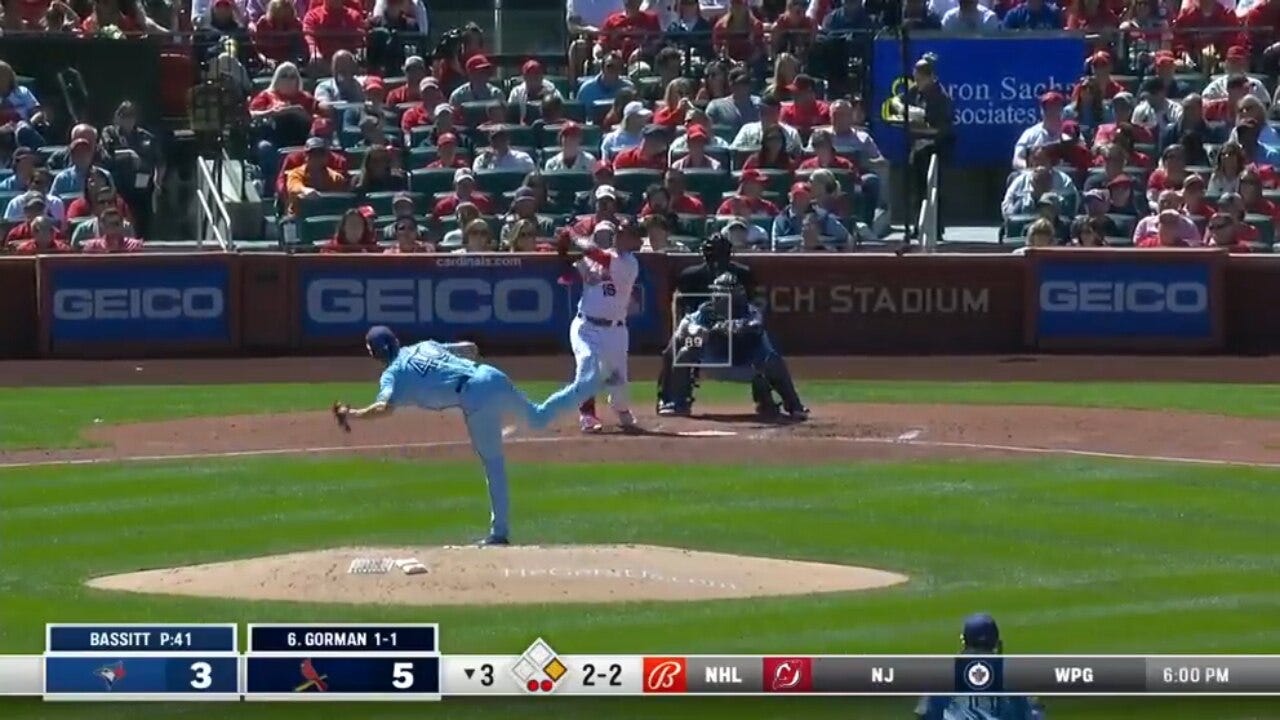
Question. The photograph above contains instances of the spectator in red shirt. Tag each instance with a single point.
(696, 139)
(676, 104)
(464, 190)
(606, 200)
(112, 240)
(650, 154)
(805, 111)
(126, 15)
(1122, 106)
(1071, 149)
(330, 26)
(681, 202)
(1100, 79)
(429, 98)
(278, 33)
(825, 156)
(447, 153)
(739, 35)
(1224, 109)
(32, 209)
(44, 239)
(1203, 23)
(1193, 197)
(751, 195)
(794, 30)
(1166, 234)
(98, 194)
(286, 113)
(772, 154)
(1262, 21)
(1226, 231)
(1254, 202)
(354, 233)
(415, 71)
(657, 201)
(1091, 15)
(630, 30)
(1170, 175)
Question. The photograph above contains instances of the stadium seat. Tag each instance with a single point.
(430, 181)
(381, 202)
(694, 225)
(709, 185)
(567, 182)
(420, 157)
(1266, 228)
(418, 135)
(1015, 227)
(521, 135)
(591, 136)
(326, 203)
(476, 112)
(496, 182)
(636, 181)
(1125, 223)
(316, 229)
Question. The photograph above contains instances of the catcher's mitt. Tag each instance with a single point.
(340, 415)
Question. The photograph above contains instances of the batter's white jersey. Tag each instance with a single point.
(606, 291)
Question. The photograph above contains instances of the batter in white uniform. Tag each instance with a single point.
(598, 334)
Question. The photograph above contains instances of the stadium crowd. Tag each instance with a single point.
(692, 116)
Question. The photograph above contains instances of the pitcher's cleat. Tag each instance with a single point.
(493, 541)
(627, 421)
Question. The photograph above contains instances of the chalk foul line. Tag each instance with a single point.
(900, 440)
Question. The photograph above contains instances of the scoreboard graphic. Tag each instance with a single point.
(403, 662)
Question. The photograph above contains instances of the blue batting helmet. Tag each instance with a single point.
(382, 343)
(981, 634)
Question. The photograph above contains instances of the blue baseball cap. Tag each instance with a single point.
(382, 342)
(980, 632)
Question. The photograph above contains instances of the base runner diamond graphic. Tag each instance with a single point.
(539, 669)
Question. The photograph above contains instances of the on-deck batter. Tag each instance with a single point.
(598, 334)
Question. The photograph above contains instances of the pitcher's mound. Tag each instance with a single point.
(498, 576)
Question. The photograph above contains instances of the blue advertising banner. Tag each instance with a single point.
(1124, 299)
(994, 83)
(447, 298)
(147, 301)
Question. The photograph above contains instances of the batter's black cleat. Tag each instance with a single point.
(767, 411)
(799, 414)
(673, 409)
(493, 541)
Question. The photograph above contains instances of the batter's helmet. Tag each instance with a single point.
(981, 634)
(382, 343)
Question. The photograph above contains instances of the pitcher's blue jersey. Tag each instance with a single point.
(426, 375)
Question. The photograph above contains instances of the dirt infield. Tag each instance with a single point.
(501, 576)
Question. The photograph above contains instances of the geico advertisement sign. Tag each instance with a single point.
(150, 303)
(464, 301)
(1067, 296)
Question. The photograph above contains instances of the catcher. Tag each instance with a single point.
(728, 331)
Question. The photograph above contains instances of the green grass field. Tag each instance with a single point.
(1069, 555)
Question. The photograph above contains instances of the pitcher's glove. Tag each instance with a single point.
(564, 241)
(340, 415)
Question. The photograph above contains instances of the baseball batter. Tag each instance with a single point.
(598, 335)
(437, 376)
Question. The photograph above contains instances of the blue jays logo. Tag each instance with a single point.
(110, 674)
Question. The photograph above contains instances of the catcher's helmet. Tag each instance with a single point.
(726, 283)
(717, 248)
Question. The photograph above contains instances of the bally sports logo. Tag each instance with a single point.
(666, 675)
(788, 674)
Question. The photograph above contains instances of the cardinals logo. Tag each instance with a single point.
(313, 678)
(110, 674)
(788, 674)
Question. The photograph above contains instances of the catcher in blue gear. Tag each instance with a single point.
(727, 332)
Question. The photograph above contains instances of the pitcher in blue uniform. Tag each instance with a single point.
(437, 376)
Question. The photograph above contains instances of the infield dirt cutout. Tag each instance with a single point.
(505, 575)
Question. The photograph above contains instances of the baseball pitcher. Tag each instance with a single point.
(438, 376)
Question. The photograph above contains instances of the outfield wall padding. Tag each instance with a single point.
(1050, 300)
